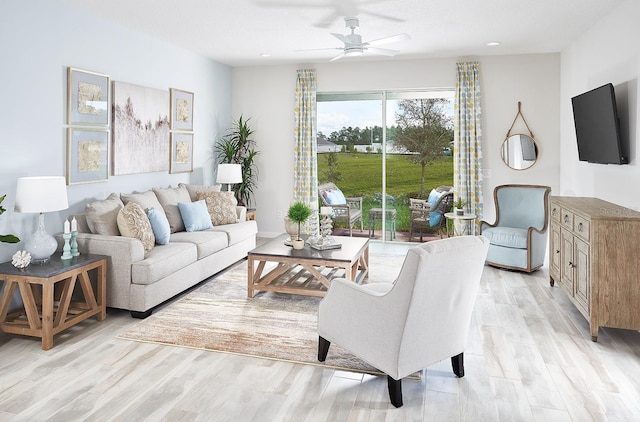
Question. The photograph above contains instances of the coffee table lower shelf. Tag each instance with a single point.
(308, 271)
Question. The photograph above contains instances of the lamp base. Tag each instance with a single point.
(41, 245)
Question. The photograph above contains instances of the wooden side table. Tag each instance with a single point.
(47, 291)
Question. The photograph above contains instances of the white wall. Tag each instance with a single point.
(39, 39)
(608, 52)
(267, 95)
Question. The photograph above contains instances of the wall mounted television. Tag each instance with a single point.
(595, 115)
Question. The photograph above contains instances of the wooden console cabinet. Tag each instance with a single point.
(594, 254)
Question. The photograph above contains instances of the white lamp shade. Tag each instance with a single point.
(229, 173)
(41, 194)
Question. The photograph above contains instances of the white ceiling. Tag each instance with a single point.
(237, 32)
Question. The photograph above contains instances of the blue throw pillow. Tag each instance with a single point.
(434, 195)
(336, 197)
(159, 225)
(195, 215)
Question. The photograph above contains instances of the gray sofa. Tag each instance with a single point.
(140, 277)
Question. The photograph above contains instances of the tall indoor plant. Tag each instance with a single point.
(237, 147)
(6, 238)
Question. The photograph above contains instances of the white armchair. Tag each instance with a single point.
(421, 318)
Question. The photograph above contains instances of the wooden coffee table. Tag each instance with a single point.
(307, 271)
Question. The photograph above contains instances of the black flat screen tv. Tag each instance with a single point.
(595, 115)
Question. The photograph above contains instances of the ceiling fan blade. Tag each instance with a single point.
(389, 40)
(381, 51)
(342, 38)
(339, 56)
(320, 49)
(381, 16)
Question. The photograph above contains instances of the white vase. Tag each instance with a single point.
(297, 244)
(291, 227)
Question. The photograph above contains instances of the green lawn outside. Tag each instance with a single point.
(362, 176)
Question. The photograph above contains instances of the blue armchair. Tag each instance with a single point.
(518, 238)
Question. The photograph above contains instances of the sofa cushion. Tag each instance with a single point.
(434, 196)
(334, 197)
(194, 189)
(506, 236)
(146, 199)
(238, 232)
(195, 215)
(133, 222)
(159, 225)
(102, 216)
(162, 261)
(221, 206)
(169, 198)
(207, 242)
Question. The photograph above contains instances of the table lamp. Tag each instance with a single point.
(40, 195)
(229, 174)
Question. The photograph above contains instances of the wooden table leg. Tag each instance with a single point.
(250, 276)
(47, 316)
(102, 290)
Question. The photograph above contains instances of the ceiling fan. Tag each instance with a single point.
(353, 45)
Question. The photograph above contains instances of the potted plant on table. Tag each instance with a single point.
(459, 205)
(298, 212)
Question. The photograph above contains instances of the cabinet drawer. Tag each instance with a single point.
(566, 219)
(581, 227)
(554, 212)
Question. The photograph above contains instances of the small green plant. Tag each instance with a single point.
(6, 238)
(460, 203)
(299, 212)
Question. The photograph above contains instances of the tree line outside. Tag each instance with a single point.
(424, 134)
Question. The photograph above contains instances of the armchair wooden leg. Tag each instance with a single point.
(395, 391)
(323, 348)
(457, 362)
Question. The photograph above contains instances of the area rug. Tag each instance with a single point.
(218, 316)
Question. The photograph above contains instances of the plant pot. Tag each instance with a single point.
(459, 211)
(297, 244)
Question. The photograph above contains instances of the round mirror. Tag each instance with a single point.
(519, 151)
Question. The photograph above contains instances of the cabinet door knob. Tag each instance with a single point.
(571, 264)
(566, 218)
(580, 227)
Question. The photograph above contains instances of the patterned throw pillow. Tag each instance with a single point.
(221, 206)
(133, 222)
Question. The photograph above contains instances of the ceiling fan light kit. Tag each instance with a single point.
(353, 45)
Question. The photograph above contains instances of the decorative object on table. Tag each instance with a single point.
(21, 259)
(291, 227)
(66, 249)
(74, 237)
(459, 205)
(6, 238)
(87, 98)
(326, 241)
(229, 174)
(140, 129)
(87, 155)
(313, 224)
(181, 110)
(236, 147)
(181, 152)
(40, 195)
(298, 212)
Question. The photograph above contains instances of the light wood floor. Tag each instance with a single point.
(529, 358)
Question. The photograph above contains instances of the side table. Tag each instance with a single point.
(465, 220)
(47, 291)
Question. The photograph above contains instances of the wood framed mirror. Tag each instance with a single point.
(519, 151)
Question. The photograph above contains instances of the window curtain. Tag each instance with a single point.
(305, 165)
(467, 139)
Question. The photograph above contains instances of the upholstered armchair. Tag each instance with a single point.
(518, 238)
(348, 210)
(421, 318)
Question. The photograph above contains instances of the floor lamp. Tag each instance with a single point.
(40, 195)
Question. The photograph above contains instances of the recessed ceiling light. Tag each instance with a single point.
(493, 43)
(265, 55)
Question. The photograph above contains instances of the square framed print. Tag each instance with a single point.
(87, 155)
(181, 152)
(181, 110)
(88, 95)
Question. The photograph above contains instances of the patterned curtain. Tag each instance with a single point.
(467, 140)
(305, 165)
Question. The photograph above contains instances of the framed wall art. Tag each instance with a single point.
(87, 155)
(181, 110)
(87, 98)
(140, 129)
(181, 152)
